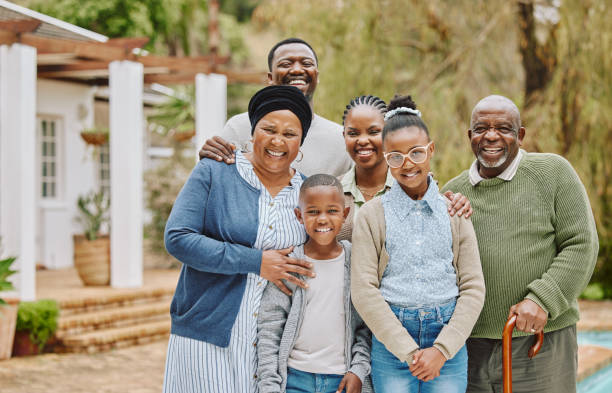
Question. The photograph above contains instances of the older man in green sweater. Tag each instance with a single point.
(538, 247)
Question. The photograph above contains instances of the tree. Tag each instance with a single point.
(552, 58)
(174, 27)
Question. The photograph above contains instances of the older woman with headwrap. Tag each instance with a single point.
(232, 227)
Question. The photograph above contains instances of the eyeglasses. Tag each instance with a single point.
(416, 155)
(500, 130)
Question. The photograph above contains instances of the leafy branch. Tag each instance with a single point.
(93, 208)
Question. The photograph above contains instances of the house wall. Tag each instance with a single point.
(72, 104)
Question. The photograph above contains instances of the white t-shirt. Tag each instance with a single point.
(324, 149)
(319, 345)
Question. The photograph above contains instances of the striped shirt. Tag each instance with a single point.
(198, 366)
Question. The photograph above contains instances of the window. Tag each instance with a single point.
(49, 154)
(104, 169)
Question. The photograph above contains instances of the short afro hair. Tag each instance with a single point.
(320, 179)
(287, 41)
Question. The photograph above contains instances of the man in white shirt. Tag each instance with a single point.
(291, 62)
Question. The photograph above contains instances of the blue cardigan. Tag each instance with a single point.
(211, 230)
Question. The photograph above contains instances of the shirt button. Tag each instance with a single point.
(259, 284)
(270, 227)
(255, 376)
(254, 344)
(255, 314)
(271, 203)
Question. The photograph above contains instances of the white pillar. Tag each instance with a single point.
(211, 106)
(126, 172)
(18, 163)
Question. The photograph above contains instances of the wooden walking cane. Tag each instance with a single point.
(507, 351)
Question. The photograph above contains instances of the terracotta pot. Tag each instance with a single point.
(181, 136)
(95, 138)
(8, 320)
(23, 345)
(92, 259)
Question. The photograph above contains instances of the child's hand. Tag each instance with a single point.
(426, 364)
(351, 383)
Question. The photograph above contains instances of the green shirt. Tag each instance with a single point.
(537, 240)
(349, 186)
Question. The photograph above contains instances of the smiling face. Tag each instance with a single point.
(322, 213)
(363, 136)
(495, 137)
(411, 177)
(276, 141)
(295, 65)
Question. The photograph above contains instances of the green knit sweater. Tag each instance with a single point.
(537, 240)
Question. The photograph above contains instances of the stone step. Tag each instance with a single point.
(107, 339)
(107, 300)
(76, 323)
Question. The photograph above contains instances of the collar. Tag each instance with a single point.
(506, 175)
(349, 185)
(403, 205)
(245, 169)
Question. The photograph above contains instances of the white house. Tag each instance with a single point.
(50, 75)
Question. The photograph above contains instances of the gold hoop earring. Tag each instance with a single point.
(301, 157)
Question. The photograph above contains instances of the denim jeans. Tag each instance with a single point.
(390, 375)
(304, 382)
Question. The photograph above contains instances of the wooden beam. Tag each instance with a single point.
(80, 65)
(94, 72)
(7, 37)
(183, 64)
(19, 25)
(44, 59)
(252, 77)
(128, 43)
(91, 50)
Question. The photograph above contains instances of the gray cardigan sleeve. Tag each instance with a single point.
(273, 311)
(360, 350)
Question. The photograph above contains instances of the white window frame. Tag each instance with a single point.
(58, 140)
(103, 183)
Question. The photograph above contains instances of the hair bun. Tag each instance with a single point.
(401, 101)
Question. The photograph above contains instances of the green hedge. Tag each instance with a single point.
(39, 318)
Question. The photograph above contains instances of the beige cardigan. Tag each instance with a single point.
(368, 263)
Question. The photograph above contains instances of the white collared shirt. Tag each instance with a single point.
(507, 174)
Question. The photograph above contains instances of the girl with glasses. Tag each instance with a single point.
(416, 275)
(369, 176)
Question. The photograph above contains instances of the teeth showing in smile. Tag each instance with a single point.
(491, 150)
(297, 82)
(275, 153)
(412, 174)
(323, 230)
(365, 152)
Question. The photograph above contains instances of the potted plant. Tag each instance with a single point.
(91, 249)
(8, 309)
(36, 324)
(95, 136)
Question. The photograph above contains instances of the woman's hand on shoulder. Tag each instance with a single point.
(459, 204)
(351, 383)
(276, 266)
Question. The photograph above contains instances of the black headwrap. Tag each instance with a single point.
(276, 98)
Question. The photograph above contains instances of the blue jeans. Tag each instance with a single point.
(303, 382)
(390, 375)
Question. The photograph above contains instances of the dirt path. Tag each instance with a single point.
(138, 369)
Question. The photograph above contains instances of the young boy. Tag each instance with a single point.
(314, 340)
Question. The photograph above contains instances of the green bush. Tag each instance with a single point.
(5, 272)
(593, 291)
(39, 318)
